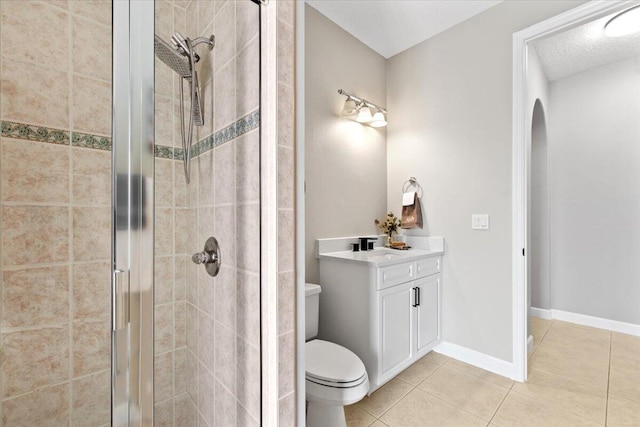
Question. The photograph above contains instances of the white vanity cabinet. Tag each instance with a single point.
(387, 311)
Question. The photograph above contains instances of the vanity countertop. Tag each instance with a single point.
(380, 257)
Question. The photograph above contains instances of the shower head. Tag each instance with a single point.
(181, 43)
(172, 57)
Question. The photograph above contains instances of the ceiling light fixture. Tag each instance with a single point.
(625, 23)
(354, 104)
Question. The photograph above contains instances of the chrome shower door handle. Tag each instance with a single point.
(120, 302)
(210, 257)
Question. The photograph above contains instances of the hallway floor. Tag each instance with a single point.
(578, 376)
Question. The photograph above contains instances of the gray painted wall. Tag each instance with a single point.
(595, 196)
(449, 101)
(345, 162)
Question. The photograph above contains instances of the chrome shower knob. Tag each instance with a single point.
(209, 257)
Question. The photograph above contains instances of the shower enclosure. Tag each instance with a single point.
(114, 312)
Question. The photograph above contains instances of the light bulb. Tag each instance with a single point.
(349, 108)
(378, 120)
(364, 116)
(624, 23)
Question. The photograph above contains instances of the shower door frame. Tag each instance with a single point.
(133, 213)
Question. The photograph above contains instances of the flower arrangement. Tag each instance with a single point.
(389, 225)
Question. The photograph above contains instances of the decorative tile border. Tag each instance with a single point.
(34, 133)
(85, 140)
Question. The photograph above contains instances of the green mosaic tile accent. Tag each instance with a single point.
(34, 133)
(86, 140)
(163, 152)
(234, 130)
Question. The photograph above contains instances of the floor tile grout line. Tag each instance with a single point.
(500, 405)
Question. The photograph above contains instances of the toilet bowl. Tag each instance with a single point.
(334, 376)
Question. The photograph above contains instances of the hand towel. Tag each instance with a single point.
(411, 211)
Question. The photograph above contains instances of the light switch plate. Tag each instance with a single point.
(480, 222)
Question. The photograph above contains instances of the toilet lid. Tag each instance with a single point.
(331, 362)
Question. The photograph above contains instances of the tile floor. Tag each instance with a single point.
(578, 376)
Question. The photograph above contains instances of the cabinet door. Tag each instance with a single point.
(396, 328)
(427, 315)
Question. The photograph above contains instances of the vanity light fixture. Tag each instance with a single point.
(625, 23)
(354, 104)
(378, 120)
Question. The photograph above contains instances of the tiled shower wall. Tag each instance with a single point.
(210, 374)
(286, 212)
(55, 171)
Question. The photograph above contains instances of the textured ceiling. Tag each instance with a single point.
(389, 27)
(582, 48)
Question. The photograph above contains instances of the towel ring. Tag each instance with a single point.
(412, 182)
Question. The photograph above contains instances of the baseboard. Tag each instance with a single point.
(529, 344)
(585, 320)
(542, 313)
(477, 359)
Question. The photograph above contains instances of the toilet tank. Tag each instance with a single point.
(311, 310)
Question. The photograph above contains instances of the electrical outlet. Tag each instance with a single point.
(480, 222)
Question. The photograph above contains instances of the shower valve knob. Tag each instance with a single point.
(209, 257)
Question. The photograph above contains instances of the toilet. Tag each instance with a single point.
(334, 375)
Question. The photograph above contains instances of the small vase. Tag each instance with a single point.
(389, 241)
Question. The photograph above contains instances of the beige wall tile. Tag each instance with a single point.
(208, 339)
(186, 411)
(286, 115)
(248, 79)
(224, 24)
(33, 359)
(91, 234)
(225, 231)
(225, 173)
(164, 78)
(164, 20)
(205, 16)
(225, 297)
(42, 408)
(224, 101)
(244, 418)
(248, 167)
(286, 178)
(206, 395)
(91, 177)
(91, 290)
(180, 370)
(30, 230)
(286, 240)
(285, 54)
(180, 278)
(36, 296)
(163, 415)
(225, 356)
(465, 391)
(34, 95)
(248, 377)
(180, 16)
(385, 397)
(163, 376)
(91, 54)
(164, 182)
(286, 369)
(419, 406)
(206, 89)
(205, 168)
(518, 410)
(191, 376)
(248, 228)
(184, 235)
(163, 328)
(164, 231)
(91, 346)
(191, 18)
(27, 165)
(22, 21)
(91, 399)
(91, 108)
(247, 23)
(180, 324)
(286, 11)
(225, 406)
(192, 320)
(286, 302)
(247, 308)
(97, 10)
(164, 120)
(163, 284)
